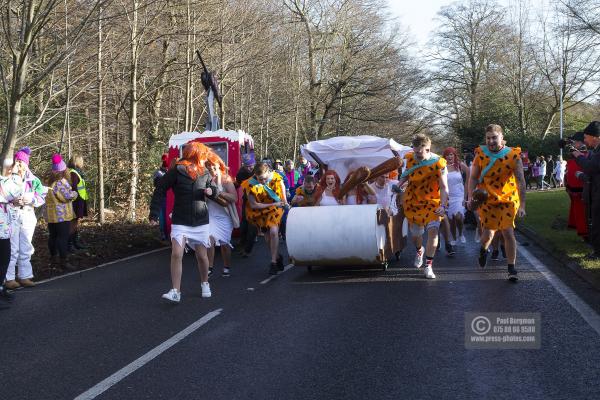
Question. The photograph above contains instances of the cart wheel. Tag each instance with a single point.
(385, 266)
(309, 268)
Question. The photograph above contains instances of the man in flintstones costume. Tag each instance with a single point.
(265, 192)
(424, 198)
(498, 170)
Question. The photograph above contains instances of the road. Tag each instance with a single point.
(331, 334)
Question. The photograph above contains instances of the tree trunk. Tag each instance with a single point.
(20, 67)
(100, 150)
(133, 123)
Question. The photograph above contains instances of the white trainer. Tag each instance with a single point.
(172, 295)
(453, 242)
(429, 272)
(477, 238)
(463, 239)
(419, 257)
(206, 289)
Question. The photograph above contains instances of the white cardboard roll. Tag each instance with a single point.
(335, 235)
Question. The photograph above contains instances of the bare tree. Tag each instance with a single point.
(23, 24)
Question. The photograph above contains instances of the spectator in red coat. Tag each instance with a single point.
(574, 186)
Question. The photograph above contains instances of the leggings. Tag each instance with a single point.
(4, 258)
(59, 238)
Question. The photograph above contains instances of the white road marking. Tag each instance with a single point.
(586, 312)
(269, 279)
(146, 358)
(102, 265)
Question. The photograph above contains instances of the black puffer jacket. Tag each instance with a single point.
(190, 207)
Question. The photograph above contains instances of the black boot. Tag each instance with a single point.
(273, 269)
(5, 296)
(280, 265)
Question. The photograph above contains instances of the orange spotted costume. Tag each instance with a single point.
(266, 217)
(422, 195)
(309, 199)
(500, 209)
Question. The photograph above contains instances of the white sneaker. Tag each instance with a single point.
(453, 242)
(477, 238)
(429, 272)
(172, 295)
(205, 289)
(463, 239)
(419, 257)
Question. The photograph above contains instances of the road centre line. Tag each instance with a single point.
(586, 312)
(269, 279)
(146, 358)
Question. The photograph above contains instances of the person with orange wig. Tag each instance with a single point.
(329, 189)
(192, 185)
(221, 222)
(458, 174)
(363, 193)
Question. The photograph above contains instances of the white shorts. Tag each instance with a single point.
(191, 235)
(418, 230)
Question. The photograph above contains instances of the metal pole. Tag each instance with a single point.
(562, 84)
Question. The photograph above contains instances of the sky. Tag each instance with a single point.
(418, 16)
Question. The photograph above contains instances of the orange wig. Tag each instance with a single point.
(452, 150)
(194, 156)
(323, 185)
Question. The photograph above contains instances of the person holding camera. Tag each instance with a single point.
(265, 192)
(498, 170)
(590, 166)
(574, 184)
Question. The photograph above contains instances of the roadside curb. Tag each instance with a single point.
(102, 265)
(561, 258)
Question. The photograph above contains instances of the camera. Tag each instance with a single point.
(569, 145)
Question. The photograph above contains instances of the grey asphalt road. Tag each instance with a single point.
(342, 333)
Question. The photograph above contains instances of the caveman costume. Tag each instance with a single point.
(309, 199)
(272, 192)
(422, 195)
(498, 179)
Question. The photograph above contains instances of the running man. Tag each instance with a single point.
(498, 169)
(426, 193)
(266, 202)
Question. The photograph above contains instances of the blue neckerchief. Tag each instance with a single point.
(269, 191)
(493, 157)
(422, 163)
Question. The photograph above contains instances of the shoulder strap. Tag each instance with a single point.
(269, 191)
(423, 163)
(493, 158)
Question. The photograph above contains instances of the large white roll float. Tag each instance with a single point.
(335, 235)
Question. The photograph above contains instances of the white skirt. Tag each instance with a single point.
(220, 224)
(455, 206)
(191, 235)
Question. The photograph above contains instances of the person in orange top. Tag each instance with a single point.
(498, 169)
(265, 192)
(425, 197)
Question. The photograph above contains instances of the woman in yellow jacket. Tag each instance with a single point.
(59, 211)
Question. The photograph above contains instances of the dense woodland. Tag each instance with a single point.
(113, 79)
